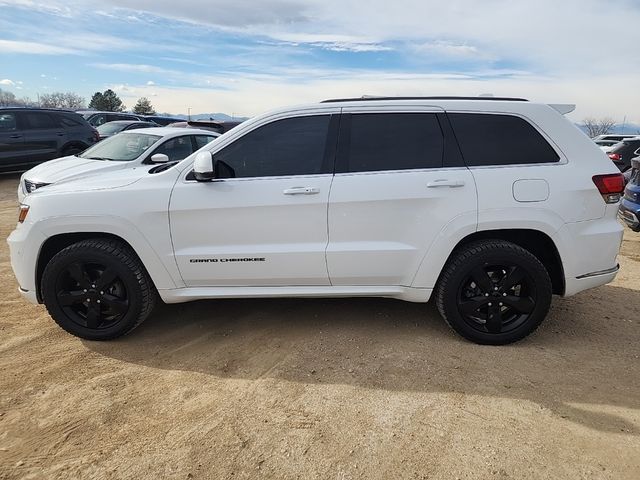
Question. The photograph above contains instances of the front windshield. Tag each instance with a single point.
(110, 128)
(122, 147)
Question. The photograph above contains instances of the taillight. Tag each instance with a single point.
(615, 157)
(610, 186)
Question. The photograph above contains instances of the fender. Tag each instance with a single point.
(160, 265)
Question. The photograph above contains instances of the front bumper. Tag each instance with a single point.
(24, 247)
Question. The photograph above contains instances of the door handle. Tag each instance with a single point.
(60, 134)
(15, 136)
(445, 183)
(301, 191)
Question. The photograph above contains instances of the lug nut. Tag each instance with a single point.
(490, 304)
(495, 288)
(504, 294)
(102, 293)
(486, 294)
(85, 290)
(498, 304)
(88, 299)
(98, 301)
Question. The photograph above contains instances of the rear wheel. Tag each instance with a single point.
(494, 292)
(97, 289)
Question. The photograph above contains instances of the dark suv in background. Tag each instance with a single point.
(622, 153)
(97, 118)
(29, 136)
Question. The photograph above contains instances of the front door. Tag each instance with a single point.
(264, 221)
(12, 147)
(44, 136)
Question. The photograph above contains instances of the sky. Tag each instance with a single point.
(244, 57)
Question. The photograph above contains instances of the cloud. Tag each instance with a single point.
(34, 48)
(151, 82)
(7, 82)
(133, 68)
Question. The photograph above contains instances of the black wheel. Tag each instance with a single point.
(493, 292)
(97, 289)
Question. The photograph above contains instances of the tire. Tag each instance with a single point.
(493, 292)
(105, 272)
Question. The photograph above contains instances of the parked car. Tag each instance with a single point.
(162, 120)
(96, 118)
(471, 200)
(613, 137)
(129, 149)
(220, 127)
(622, 152)
(606, 143)
(107, 130)
(629, 211)
(29, 136)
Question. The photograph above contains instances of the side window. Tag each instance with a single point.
(39, 120)
(487, 139)
(293, 146)
(98, 120)
(176, 149)
(394, 141)
(71, 120)
(202, 140)
(8, 122)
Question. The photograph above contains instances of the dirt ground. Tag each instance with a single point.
(326, 389)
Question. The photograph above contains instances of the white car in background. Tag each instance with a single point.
(130, 149)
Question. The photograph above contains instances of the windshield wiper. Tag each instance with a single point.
(99, 158)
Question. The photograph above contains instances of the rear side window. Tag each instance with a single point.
(7, 122)
(487, 139)
(71, 120)
(394, 141)
(176, 148)
(293, 146)
(39, 120)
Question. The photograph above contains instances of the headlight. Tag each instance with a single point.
(24, 210)
(30, 187)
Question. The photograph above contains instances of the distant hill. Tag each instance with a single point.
(218, 116)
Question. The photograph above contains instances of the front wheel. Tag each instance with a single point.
(494, 292)
(97, 289)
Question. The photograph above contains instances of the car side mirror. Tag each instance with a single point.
(159, 158)
(203, 167)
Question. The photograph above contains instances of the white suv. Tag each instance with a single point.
(492, 205)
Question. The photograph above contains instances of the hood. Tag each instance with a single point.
(107, 181)
(66, 168)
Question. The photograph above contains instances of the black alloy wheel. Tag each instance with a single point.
(97, 289)
(493, 292)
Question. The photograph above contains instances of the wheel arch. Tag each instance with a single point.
(536, 242)
(54, 244)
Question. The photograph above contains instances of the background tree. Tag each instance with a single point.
(597, 127)
(8, 99)
(144, 107)
(69, 100)
(107, 101)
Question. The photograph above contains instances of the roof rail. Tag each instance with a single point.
(368, 98)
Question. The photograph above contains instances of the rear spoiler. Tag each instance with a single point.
(563, 108)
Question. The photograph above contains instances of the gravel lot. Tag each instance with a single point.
(327, 389)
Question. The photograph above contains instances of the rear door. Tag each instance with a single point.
(44, 136)
(399, 181)
(12, 146)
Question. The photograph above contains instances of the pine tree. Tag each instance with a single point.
(144, 107)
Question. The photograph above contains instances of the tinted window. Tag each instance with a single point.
(176, 149)
(39, 120)
(487, 139)
(98, 119)
(394, 141)
(294, 146)
(71, 120)
(7, 122)
(202, 140)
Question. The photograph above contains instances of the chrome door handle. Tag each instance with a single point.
(445, 183)
(301, 191)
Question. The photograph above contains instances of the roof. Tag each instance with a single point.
(170, 131)
(44, 109)
(373, 99)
